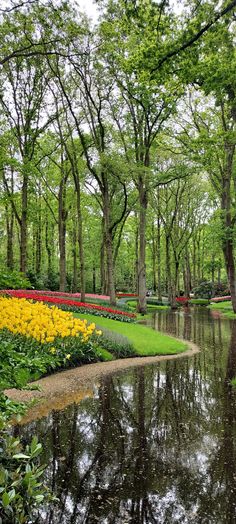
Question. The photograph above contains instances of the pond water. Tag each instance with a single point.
(156, 444)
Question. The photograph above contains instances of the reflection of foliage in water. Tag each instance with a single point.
(156, 445)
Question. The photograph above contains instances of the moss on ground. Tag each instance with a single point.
(146, 341)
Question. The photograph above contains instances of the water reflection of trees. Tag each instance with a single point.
(156, 446)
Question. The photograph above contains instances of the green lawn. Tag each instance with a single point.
(133, 304)
(199, 301)
(224, 307)
(146, 341)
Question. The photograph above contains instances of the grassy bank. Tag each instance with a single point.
(133, 304)
(224, 307)
(146, 341)
(199, 301)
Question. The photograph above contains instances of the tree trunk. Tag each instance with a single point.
(187, 275)
(49, 250)
(94, 278)
(142, 288)
(109, 246)
(102, 261)
(75, 269)
(154, 261)
(136, 259)
(80, 233)
(228, 248)
(168, 270)
(194, 263)
(10, 233)
(24, 218)
(62, 215)
(159, 252)
(174, 285)
(38, 254)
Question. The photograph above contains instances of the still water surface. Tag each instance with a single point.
(155, 444)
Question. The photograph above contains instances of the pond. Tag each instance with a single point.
(155, 444)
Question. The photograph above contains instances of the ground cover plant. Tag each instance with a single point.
(74, 305)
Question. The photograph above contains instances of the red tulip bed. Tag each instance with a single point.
(182, 300)
(68, 304)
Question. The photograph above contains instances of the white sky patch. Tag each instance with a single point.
(89, 8)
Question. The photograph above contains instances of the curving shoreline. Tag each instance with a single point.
(61, 389)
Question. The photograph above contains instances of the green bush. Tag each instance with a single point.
(21, 488)
(204, 290)
(13, 279)
(208, 289)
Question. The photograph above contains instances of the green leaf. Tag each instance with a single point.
(21, 456)
(5, 499)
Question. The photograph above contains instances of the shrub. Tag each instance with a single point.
(208, 289)
(12, 279)
(21, 488)
(204, 290)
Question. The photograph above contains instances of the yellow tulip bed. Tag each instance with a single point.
(37, 320)
(36, 339)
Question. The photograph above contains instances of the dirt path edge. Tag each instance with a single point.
(63, 388)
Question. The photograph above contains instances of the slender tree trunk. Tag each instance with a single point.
(102, 267)
(24, 219)
(168, 270)
(62, 215)
(39, 242)
(198, 260)
(154, 259)
(187, 274)
(228, 248)
(136, 259)
(10, 234)
(142, 288)
(109, 247)
(75, 269)
(48, 249)
(194, 263)
(80, 236)
(94, 278)
(159, 251)
(175, 285)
